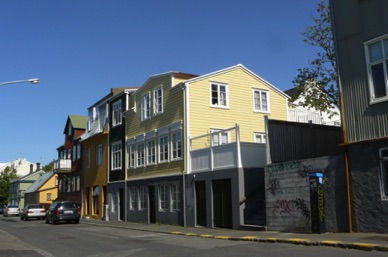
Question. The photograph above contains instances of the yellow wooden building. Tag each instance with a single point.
(195, 148)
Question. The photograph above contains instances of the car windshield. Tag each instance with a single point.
(36, 206)
(69, 205)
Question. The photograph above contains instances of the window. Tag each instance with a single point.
(158, 100)
(260, 100)
(116, 155)
(143, 197)
(176, 197)
(151, 151)
(377, 63)
(220, 137)
(78, 188)
(145, 107)
(260, 138)
(131, 155)
(384, 172)
(69, 154)
(140, 154)
(74, 153)
(96, 194)
(116, 113)
(133, 198)
(78, 151)
(73, 184)
(176, 145)
(99, 154)
(219, 95)
(163, 199)
(163, 148)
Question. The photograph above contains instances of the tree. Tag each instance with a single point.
(5, 177)
(318, 83)
(48, 167)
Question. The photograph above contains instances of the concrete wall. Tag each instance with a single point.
(288, 194)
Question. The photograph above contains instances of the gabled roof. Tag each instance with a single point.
(77, 121)
(238, 66)
(44, 177)
(27, 176)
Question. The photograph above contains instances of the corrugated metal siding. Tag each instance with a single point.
(364, 121)
(291, 141)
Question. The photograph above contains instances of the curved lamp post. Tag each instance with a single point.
(32, 81)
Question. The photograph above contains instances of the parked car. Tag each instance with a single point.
(63, 211)
(11, 210)
(32, 211)
(1, 209)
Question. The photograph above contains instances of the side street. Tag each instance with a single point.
(226, 155)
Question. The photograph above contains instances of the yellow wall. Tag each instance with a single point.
(94, 175)
(172, 114)
(204, 117)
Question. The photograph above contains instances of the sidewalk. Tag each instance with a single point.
(360, 241)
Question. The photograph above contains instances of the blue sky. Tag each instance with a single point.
(81, 49)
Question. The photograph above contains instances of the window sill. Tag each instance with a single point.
(220, 107)
(257, 111)
(378, 100)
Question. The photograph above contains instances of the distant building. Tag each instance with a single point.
(22, 166)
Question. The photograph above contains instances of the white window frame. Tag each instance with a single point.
(222, 94)
(158, 100)
(99, 154)
(175, 197)
(117, 113)
(134, 198)
(383, 154)
(140, 154)
(259, 138)
(142, 198)
(145, 106)
(176, 145)
(218, 135)
(258, 103)
(382, 60)
(151, 151)
(116, 155)
(131, 155)
(163, 197)
(78, 151)
(163, 148)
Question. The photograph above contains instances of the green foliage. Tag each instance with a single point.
(318, 83)
(5, 177)
(48, 167)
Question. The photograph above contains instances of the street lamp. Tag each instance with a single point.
(32, 81)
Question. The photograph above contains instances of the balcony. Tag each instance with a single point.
(304, 116)
(62, 166)
(207, 154)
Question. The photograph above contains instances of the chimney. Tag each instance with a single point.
(31, 168)
(37, 166)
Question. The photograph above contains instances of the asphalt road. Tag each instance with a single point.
(76, 240)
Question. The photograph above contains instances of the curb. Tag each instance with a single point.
(296, 241)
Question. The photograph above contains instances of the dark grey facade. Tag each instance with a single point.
(361, 40)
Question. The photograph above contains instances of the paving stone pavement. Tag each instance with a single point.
(360, 241)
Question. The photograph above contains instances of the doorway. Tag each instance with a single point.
(152, 207)
(200, 197)
(222, 203)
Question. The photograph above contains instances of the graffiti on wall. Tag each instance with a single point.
(289, 207)
(275, 168)
(274, 185)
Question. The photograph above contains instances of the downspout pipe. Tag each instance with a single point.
(343, 124)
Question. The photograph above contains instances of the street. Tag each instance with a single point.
(85, 240)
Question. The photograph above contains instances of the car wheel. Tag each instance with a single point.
(47, 221)
(76, 221)
(21, 218)
(26, 218)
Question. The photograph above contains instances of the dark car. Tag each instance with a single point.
(63, 211)
(1, 209)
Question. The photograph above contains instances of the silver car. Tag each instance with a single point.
(11, 210)
(35, 211)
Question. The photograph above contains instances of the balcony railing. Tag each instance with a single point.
(233, 154)
(62, 166)
(304, 116)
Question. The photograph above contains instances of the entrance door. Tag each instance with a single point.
(152, 207)
(200, 196)
(121, 204)
(222, 203)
